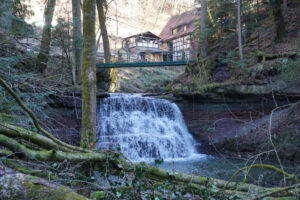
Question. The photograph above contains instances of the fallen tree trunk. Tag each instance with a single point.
(49, 155)
(262, 57)
(18, 132)
(150, 172)
(35, 121)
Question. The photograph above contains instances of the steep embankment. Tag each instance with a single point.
(243, 128)
(230, 112)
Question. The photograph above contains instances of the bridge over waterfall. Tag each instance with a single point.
(143, 64)
(148, 60)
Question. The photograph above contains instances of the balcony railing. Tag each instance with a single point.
(143, 44)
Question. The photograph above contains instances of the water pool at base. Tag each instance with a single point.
(145, 129)
(224, 168)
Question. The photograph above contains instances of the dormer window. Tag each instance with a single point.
(174, 31)
(184, 27)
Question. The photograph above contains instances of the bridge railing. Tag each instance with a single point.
(149, 59)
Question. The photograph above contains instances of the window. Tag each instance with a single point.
(184, 27)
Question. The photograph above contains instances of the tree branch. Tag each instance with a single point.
(35, 121)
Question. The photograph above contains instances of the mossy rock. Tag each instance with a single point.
(99, 195)
(15, 186)
(106, 79)
(209, 64)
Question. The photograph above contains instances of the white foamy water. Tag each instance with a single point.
(144, 128)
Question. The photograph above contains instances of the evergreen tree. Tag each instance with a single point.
(20, 11)
(5, 16)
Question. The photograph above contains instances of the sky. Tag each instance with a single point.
(125, 17)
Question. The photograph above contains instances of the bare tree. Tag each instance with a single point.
(203, 36)
(102, 20)
(76, 41)
(46, 36)
(105, 77)
(239, 29)
(88, 76)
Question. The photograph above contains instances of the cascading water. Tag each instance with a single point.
(144, 128)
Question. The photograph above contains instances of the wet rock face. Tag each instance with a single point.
(243, 128)
(221, 73)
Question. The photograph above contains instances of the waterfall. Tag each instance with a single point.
(144, 128)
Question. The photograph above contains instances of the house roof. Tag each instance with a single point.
(145, 34)
(185, 18)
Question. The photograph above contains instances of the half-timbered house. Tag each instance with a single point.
(176, 37)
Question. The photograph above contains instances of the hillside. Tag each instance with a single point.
(265, 63)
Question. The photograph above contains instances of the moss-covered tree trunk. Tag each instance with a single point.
(279, 25)
(5, 17)
(76, 41)
(46, 36)
(105, 77)
(88, 76)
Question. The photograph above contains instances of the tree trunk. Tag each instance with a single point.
(279, 25)
(102, 20)
(88, 76)
(46, 36)
(284, 6)
(240, 29)
(5, 16)
(105, 77)
(203, 38)
(77, 41)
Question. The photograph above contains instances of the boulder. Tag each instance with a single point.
(16, 186)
